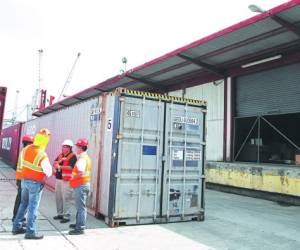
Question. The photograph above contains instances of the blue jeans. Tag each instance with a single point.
(81, 194)
(30, 199)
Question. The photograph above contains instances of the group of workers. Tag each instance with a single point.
(72, 173)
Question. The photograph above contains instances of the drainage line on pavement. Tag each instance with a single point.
(60, 232)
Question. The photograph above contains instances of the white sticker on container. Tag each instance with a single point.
(192, 155)
(95, 113)
(133, 113)
(6, 143)
(186, 120)
(109, 124)
(177, 155)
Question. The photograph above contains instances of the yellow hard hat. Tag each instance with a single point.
(42, 138)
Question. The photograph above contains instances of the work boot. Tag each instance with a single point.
(58, 217)
(76, 232)
(19, 231)
(72, 226)
(65, 220)
(34, 237)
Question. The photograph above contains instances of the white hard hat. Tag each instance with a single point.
(67, 142)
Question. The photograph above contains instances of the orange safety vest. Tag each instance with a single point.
(77, 181)
(66, 174)
(19, 166)
(31, 163)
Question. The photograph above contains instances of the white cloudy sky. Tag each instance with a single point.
(104, 32)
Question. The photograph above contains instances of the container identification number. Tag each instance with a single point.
(133, 113)
(186, 120)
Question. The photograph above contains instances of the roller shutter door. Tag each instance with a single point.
(276, 91)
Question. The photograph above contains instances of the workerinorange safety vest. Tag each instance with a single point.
(76, 180)
(31, 163)
(19, 166)
(66, 173)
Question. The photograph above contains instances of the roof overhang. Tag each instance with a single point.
(215, 57)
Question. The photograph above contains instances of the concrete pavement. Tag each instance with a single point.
(232, 222)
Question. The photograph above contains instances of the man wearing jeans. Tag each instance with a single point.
(26, 140)
(81, 183)
(35, 168)
(64, 164)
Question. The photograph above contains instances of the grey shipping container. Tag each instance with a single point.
(152, 162)
(147, 154)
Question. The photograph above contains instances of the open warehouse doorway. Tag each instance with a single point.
(267, 121)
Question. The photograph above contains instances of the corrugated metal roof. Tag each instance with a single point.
(214, 57)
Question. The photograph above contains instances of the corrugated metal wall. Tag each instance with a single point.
(275, 91)
(81, 120)
(214, 95)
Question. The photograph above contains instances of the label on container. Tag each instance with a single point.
(95, 113)
(149, 150)
(133, 113)
(6, 143)
(192, 155)
(186, 120)
(177, 155)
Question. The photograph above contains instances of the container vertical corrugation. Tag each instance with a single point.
(183, 182)
(106, 156)
(99, 164)
(114, 157)
(10, 141)
(78, 121)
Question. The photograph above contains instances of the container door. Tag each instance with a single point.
(139, 159)
(184, 161)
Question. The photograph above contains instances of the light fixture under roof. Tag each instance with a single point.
(269, 59)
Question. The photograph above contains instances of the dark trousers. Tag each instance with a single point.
(18, 199)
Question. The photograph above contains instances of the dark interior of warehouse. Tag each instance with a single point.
(267, 139)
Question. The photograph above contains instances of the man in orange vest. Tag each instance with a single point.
(81, 183)
(64, 165)
(35, 168)
(26, 140)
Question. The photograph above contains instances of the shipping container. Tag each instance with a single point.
(152, 167)
(134, 141)
(78, 121)
(10, 141)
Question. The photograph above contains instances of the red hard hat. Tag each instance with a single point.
(27, 138)
(82, 142)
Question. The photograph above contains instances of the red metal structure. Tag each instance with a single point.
(10, 143)
(3, 91)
